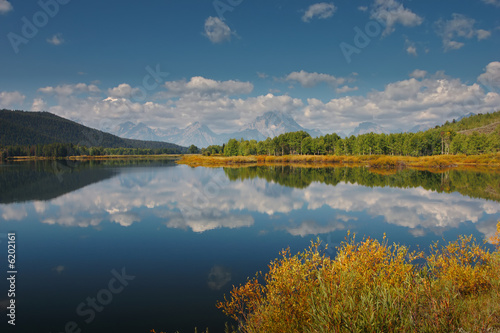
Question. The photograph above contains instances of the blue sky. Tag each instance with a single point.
(330, 64)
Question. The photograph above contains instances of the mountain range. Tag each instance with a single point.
(270, 124)
(31, 128)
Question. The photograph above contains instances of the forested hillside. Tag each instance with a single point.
(20, 128)
(476, 134)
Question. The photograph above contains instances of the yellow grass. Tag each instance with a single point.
(373, 161)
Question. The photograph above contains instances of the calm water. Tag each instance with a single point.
(129, 246)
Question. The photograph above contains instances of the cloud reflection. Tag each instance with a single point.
(203, 199)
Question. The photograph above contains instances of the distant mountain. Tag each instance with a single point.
(270, 124)
(466, 116)
(197, 134)
(273, 123)
(419, 128)
(368, 127)
(30, 128)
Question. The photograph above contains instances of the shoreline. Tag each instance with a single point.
(490, 161)
(91, 158)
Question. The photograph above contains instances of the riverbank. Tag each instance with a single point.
(373, 161)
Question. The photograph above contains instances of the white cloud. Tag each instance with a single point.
(124, 219)
(321, 10)
(459, 26)
(345, 89)
(308, 80)
(363, 8)
(418, 74)
(391, 12)
(491, 77)
(123, 90)
(412, 50)
(5, 7)
(423, 99)
(428, 101)
(201, 85)
(309, 227)
(39, 105)
(482, 34)
(55, 40)
(492, 2)
(410, 47)
(70, 89)
(216, 30)
(14, 212)
(11, 98)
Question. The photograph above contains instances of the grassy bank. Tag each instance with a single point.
(371, 286)
(373, 161)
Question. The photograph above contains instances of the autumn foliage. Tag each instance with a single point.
(373, 286)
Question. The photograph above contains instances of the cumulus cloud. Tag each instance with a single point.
(308, 80)
(491, 77)
(216, 30)
(427, 101)
(55, 40)
(391, 12)
(320, 10)
(123, 90)
(418, 74)
(459, 27)
(201, 85)
(9, 99)
(423, 99)
(39, 105)
(5, 7)
(14, 212)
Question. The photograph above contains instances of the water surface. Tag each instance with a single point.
(183, 236)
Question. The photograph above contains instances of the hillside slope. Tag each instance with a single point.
(481, 123)
(30, 128)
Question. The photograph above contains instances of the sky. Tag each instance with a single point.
(331, 65)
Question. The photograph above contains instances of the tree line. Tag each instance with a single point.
(61, 150)
(439, 140)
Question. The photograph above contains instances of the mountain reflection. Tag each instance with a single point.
(299, 201)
